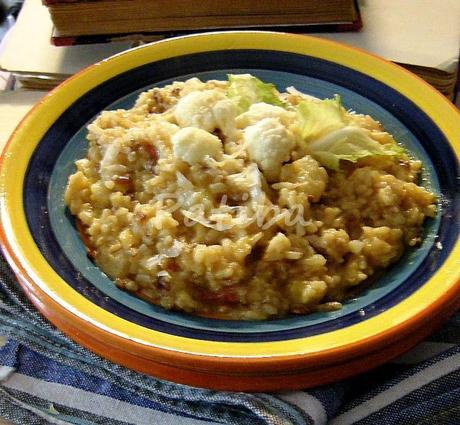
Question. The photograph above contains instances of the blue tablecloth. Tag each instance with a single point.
(45, 378)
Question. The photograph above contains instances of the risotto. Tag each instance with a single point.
(228, 199)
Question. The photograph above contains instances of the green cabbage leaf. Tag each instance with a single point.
(326, 135)
(245, 90)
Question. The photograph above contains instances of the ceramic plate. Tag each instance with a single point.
(42, 245)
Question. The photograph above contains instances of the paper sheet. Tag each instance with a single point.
(28, 49)
(415, 32)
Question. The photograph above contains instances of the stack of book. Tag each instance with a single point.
(404, 32)
(84, 21)
(444, 80)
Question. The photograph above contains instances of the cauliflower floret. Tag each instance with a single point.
(193, 145)
(269, 144)
(259, 111)
(208, 110)
(307, 292)
(307, 176)
(277, 248)
(224, 112)
(109, 166)
(191, 85)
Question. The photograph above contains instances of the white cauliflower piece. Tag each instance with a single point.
(259, 111)
(277, 248)
(269, 144)
(307, 292)
(194, 145)
(307, 177)
(224, 112)
(208, 110)
(191, 85)
(301, 182)
(109, 166)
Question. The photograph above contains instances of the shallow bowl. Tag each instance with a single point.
(41, 243)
